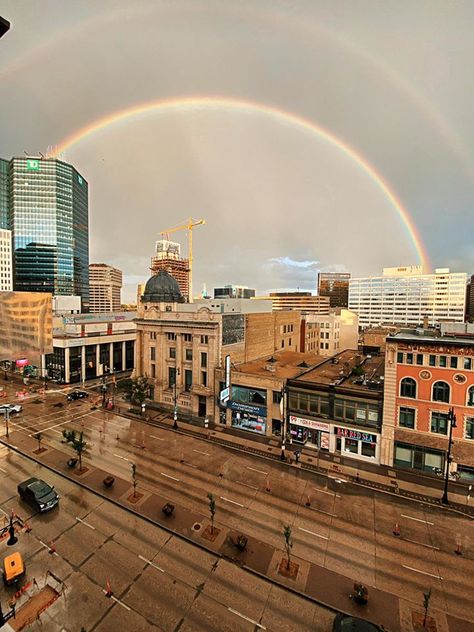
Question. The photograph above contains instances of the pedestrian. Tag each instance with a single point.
(297, 456)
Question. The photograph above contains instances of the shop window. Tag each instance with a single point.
(419, 359)
(188, 380)
(408, 387)
(276, 427)
(470, 396)
(406, 417)
(453, 362)
(368, 449)
(351, 445)
(189, 354)
(469, 428)
(152, 353)
(439, 423)
(467, 364)
(441, 392)
(466, 473)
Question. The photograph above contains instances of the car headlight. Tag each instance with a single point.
(42, 505)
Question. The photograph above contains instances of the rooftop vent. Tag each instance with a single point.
(270, 367)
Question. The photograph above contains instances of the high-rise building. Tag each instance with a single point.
(48, 214)
(336, 286)
(300, 301)
(167, 257)
(470, 299)
(233, 291)
(407, 296)
(105, 288)
(6, 277)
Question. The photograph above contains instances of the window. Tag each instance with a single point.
(321, 335)
(469, 428)
(188, 380)
(409, 358)
(439, 423)
(453, 362)
(321, 345)
(441, 391)
(189, 354)
(153, 370)
(152, 353)
(204, 378)
(204, 340)
(408, 387)
(326, 345)
(442, 361)
(406, 417)
(204, 359)
(400, 357)
(467, 364)
(289, 342)
(276, 397)
(170, 335)
(173, 352)
(282, 344)
(284, 329)
(152, 335)
(419, 358)
(432, 360)
(171, 376)
(470, 396)
(188, 337)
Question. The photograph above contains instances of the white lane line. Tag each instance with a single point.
(231, 501)
(155, 437)
(323, 512)
(417, 519)
(246, 485)
(2, 470)
(122, 457)
(85, 523)
(417, 570)
(323, 537)
(57, 425)
(201, 452)
(254, 470)
(46, 546)
(239, 614)
(151, 563)
(428, 546)
(117, 600)
(324, 491)
(169, 476)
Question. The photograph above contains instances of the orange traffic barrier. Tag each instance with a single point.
(52, 548)
(308, 502)
(396, 529)
(108, 589)
(267, 485)
(458, 550)
(26, 527)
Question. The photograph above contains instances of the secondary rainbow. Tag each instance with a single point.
(281, 116)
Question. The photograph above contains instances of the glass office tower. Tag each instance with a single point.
(49, 217)
(4, 196)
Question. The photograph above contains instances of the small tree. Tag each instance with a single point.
(426, 605)
(39, 437)
(139, 390)
(77, 444)
(288, 544)
(212, 509)
(134, 479)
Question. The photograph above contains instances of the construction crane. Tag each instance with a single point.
(190, 224)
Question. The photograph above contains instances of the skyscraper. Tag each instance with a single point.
(48, 214)
(168, 258)
(105, 286)
(335, 285)
(6, 284)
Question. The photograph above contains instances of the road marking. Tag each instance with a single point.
(417, 570)
(247, 485)
(417, 519)
(155, 437)
(2, 470)
(123, 458)
(239, 614)
(85, 523)
(428, 546)
(117, 600)
(169, 476)
(312, 533)
(231, 501)
(151, 563)
(46, 546)
(323, 512)
(324, 491)
(254, 470)
(200, 452)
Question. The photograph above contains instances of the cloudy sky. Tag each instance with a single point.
(294, 128)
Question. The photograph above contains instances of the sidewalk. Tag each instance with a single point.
(307, 579)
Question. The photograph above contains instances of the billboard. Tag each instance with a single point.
(25, 326)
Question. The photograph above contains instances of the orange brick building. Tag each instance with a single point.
(425, 375)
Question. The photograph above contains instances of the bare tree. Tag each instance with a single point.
(288, 544)
(426, 605)
(212, 509)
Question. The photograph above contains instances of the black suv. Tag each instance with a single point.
(77, 395)
(38, 494)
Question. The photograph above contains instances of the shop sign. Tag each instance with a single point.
(251, 409)
(324, 441)
(309, 423)
(22, 362)
(225, 394)
(356, 434)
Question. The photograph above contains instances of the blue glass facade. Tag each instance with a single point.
(49, 217)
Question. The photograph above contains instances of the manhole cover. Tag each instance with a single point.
(196, 526)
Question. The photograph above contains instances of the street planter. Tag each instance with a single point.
(167, 509)
(108, 481)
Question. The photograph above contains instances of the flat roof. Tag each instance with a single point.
(284, 364)
(460, 340)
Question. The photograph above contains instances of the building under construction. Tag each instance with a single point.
(168, 257)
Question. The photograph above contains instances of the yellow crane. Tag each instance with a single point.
(190, 224)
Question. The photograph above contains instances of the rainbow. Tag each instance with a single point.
(281, 116)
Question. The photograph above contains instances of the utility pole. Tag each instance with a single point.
(452, 424)
(283, 422)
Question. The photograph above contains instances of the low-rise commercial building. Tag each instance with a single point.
(329, 334)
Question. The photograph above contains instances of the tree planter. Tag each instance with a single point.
(241, 542)
(291, 572)
(417, 623)
(210, 534)
(167, 509)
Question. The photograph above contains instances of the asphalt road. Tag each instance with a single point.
(346, 529)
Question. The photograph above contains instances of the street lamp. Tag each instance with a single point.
(283, 423)
(6, 413)
(452, 424)
(175, 413)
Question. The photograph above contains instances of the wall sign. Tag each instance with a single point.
(247, 408)
(309, 423)
(357, 435)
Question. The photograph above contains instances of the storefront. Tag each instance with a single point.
(355, 443)
(310, 432)
(248, 417)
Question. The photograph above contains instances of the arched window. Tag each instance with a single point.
(441, 392)
(408, 387)
(470, 396)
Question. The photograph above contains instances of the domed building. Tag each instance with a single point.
(162, 288)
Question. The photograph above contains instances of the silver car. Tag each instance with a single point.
(11, 408)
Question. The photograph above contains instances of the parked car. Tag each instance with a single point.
(11, 408)
(345, 623)
(77, 395)
(13, 569)
(38, 494)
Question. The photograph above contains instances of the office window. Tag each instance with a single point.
(204, 378)
(406, 417)
(419, 358)
(439, 423)
(152, 335)
(453, 362)
(188, 380)
(408, 387)
(441, 392)
(152, 353)
(173, 352)
(189, 354)
(469, 428)
(204, 359)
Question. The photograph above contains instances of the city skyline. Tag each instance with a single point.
(354, 166)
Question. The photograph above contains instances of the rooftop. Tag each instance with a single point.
(282, 364)
(430, 336)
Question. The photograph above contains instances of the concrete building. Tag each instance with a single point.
(426, 375)
(405, 296)
(179, 345)
(335, 285)
(328, 335)
(6, 267)
(256, 387)
(470, 299)
(233, 291)
(373, 339)
(167, 257)
(337, 407)
(65, 305)
(47, 212)
(300, 301)
(87, 346)
(105, 286)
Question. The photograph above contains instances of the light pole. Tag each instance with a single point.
(175, 413)
(452, 424)
(283, 423)
(7, 419)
